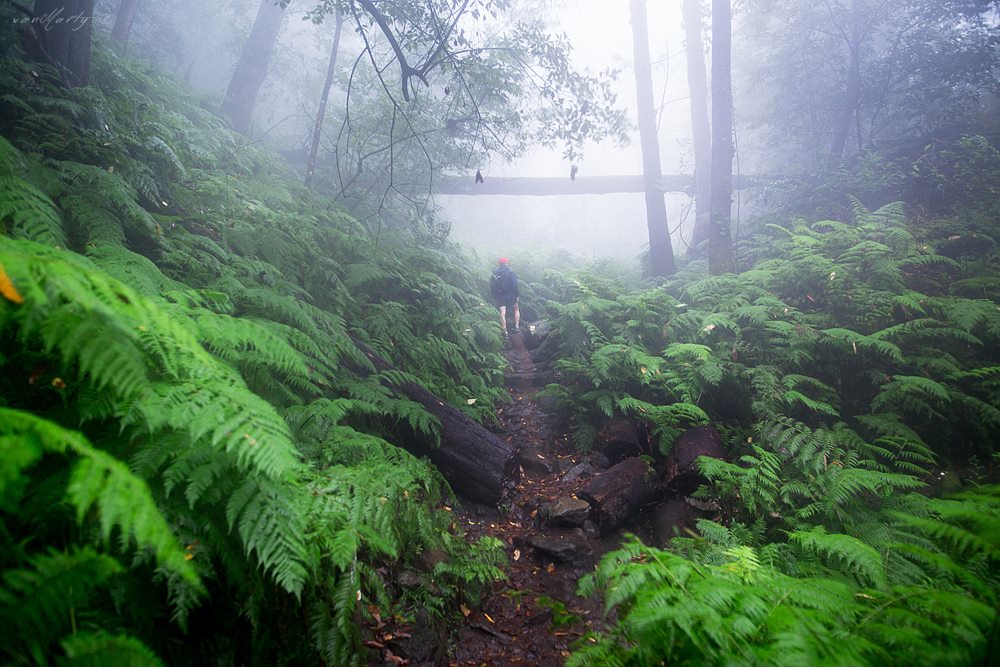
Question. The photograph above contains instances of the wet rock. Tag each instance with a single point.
(562, 548)
(590, 529)
(409, 579)
(679, 468)
(532, 460)
(568, 511)
(428, 559)
(668, 520)
(579, 471)
(621, 439)
(426, 642)
(600, 461)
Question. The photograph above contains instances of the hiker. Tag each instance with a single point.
(503, 285)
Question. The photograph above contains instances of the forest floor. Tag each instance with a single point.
(535, 616)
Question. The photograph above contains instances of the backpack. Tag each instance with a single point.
(503, 282)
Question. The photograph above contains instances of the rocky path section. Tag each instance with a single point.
(567, 510)
(534, 616)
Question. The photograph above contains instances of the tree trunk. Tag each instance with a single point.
(476, 463)
(65, 39)
(123, 23)
(661, 253)
(720, 245)
(321, 114)
(251, 70)
(700, 128)
(852, 95)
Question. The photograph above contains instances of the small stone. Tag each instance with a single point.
(428, 559)
(579, 471)
(569, 511)
(409, 579)
(591, 530)
(561, 548)
(533, 460)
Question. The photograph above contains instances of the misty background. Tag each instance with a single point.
(201, 43)
(790, 64)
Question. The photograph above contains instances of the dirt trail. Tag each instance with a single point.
(534, 616)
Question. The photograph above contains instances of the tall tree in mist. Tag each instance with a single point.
(849, 108)
(331, 69)
(251, 70)
(123, 23)
(897, 76)
(661, 252)
(700, 128)
(64, 44)
(720, 246)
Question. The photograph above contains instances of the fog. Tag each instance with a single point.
(789, 107)
(201, 43)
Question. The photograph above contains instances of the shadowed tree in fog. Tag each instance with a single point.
(841, 77)
(251, 70)
(331, 70)
(449, 84)
(65, 44)
(661, 253)
(123, 23)
(720, 246)
(700, 129)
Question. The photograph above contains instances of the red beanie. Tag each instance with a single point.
(504, 260)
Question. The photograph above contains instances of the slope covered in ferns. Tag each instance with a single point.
(192, 446)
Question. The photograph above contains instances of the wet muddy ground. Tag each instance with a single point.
(535, 616)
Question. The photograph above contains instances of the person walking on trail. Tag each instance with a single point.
(503, 285)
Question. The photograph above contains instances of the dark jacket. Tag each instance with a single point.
(503, 284)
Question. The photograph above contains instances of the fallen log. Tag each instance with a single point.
(620, 439)
(617, 492)
(621, 490)
(477, 464)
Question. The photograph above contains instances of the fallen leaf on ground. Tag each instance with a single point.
(517, 554)
(465, 610)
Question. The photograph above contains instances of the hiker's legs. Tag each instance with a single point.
(517, 316)
(503, 318)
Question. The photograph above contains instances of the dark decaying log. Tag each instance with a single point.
(679, 470)
(617, 492)
(620, 439)
(477, 464)
(622, 489)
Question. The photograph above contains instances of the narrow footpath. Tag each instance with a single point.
(549, 534)
(534, 616)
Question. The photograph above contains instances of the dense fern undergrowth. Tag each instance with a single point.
(197, 466)
(853, 371)
(196, 463)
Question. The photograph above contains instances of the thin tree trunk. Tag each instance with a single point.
(66, 40)
(852, 95)
(80, 43)
(700, 129)
(720, 245)
(321, 114)
(123, 23)
(661, 253)
(251, 70)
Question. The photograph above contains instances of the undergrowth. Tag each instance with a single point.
(853, 371)
(198, 465)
